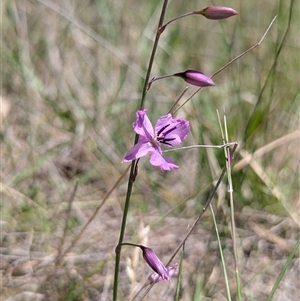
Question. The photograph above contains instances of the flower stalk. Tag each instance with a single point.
(193, 77)
(133, 169)
(210, 12)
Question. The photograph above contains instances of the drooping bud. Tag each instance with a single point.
(217, 12)
(195, 78)
(155, 264)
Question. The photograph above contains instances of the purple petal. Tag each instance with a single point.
(196, 78)
(138, 150)
(162, 122)
(143, 126)
(165, 163)
(168, 131)
(174, 133)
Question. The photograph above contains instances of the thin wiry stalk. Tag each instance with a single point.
(221, 254)
(229, 63)
(177, 18)
(133, 170)
(200, 146)
(212, 194)
(230, 192)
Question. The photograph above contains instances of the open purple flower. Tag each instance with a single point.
(167, 131)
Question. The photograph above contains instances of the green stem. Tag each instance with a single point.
(134, 163)
(163, 11)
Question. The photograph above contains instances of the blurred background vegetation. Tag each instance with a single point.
(72, 76)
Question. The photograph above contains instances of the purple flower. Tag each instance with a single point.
(217, 12)
(154, 277)
(167, 131)
(196, 78)
(155, 264)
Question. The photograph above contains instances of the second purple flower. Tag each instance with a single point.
(167, 131)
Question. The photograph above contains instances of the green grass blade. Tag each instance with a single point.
(221, 254)
(283, 271)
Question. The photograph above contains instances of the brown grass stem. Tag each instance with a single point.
(229, 63)
(201, 146)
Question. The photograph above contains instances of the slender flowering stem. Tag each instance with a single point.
(210, 12)
(163, 11)
(163, 27)
(133, 169)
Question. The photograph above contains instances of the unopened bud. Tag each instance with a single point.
(154, 262)
(217, 12)
(196, 78)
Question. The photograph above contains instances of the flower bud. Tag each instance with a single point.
(155, 264)
(196, 78)
(217, 12)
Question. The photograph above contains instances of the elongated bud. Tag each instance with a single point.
(155, 264)
(195, 78)
(217, 12)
